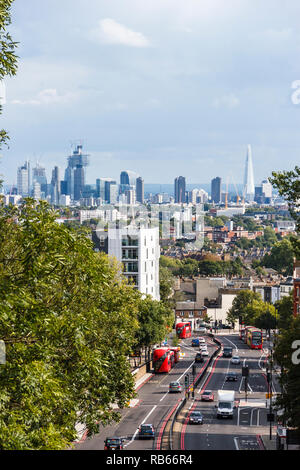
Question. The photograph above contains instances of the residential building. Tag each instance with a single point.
(138, 250)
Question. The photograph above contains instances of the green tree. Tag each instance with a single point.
(281, 257)
(68, 321)
(166, 284)
(244, 307)
(8, 58)
(284, 309)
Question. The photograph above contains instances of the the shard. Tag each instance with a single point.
(249, 190)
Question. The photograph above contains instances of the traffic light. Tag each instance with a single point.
(245, 371)
(187, 380)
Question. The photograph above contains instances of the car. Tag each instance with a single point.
(146, 430)
(202, 340)
(202, 329)
(196, 417)
(203, 347)
(175, 387)
(207, 395)
(113, 443)
(199, 357)
(195, 342)
(231, 376)
(204, 352)
(235, 360)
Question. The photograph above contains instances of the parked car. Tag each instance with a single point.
(199, 357)
(231, 376)
(146, 430)
(235, 360)
(195, 342)
(113, 443)
(175, 387)
(196, 417)
(207, 395)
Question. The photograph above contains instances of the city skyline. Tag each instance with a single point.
(150, 94)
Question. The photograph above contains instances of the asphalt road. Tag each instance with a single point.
(154, 404)
(250, 416)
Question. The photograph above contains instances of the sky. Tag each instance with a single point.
(161, 87)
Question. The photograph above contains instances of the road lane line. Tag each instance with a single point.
(133, 437)
(235, 439)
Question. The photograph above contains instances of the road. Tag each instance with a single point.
(250, 416)
(154, 404)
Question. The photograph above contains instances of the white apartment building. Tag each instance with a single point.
(139, 251)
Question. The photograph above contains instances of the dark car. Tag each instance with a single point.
(227, 351)
(195, 342)
(146, 430)
(196, 417)
(231, 376)
(199, 357)
(113, 443)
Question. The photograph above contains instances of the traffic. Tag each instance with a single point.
(205, 373)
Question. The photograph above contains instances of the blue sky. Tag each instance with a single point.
(163, 88)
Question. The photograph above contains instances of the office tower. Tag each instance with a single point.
(197, 196)
(23, 179)
(79, 161)
(249, 190)
(130, 196)
(127, 180)
(266, 189)
(140, 190)
(39, 176)
(111, 191)
(138, 250)
(216, 194)
(55, 186)
(179, 189)
(79, 182)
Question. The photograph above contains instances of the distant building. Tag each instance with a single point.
(140, 190)
(55, 186)
(111, 191)
(180, 189)
(216, 193)
(23, 179)
(127, 180)
(249, 190)
(76, 161)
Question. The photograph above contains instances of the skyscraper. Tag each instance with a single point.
(23, 179)
(140, 190)
(249, 190)
(55, 186)
(179, 189)
(79, 161)
(127, 180)
(79, 182)
(216, 185)
(39, 176)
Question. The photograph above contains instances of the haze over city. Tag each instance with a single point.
(161, 88)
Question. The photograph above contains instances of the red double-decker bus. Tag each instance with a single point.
(255, 338)
(163, 360)
(183, 330)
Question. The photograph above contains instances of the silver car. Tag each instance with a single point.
(235, 360)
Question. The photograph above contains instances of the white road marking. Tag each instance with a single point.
(133, 437)
(235, 439)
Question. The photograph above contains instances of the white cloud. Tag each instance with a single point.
(47, 97)
(226, 101)
(111, 32)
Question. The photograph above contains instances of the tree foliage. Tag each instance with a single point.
(8, 58)
(68, 321)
